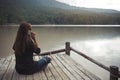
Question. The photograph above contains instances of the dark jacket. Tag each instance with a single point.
(24, 62)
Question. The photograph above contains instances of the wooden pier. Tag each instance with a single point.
(62, 67)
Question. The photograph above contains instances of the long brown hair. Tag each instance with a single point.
(22, 38)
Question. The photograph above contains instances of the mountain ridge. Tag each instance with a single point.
(54, 4)
(53, 12)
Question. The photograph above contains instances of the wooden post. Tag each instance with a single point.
(114, 71)
(67, 47)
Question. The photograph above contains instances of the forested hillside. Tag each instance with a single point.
(53, 12)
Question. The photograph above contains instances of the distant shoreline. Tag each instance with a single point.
(65, 25)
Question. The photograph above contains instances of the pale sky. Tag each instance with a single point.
(105, 4)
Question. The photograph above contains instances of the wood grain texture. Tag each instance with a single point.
(62, 67)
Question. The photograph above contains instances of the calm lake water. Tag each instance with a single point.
(100, 43)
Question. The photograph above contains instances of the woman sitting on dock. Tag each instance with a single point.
(24, 46)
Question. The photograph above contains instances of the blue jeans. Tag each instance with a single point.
(36, 68)
(42, 63)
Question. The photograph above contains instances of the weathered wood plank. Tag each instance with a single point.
(2, 60)
(4, 67)
(29, 77)
(89, 74)
(64, 69)
(72, 65)
(48, 73)
(15, 75)
(9, 72)
(90, 59)
(36, 76)
(42, 73)
(22, 77)
(70, 69)
(54, 72)
(81, 68)
(59, 70)
(51, 52)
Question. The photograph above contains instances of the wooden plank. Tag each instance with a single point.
(81, 68)
(4, 67)
(22, 77)
(2, 60)
(48, 73)
(9, 72)
(72, 65)
(89, 74)
(73, 72)
(15, 75)
(36, 76)
(59, 70)
(29, 77)
(92, 60)
(64, 69)
(42, 73)
(51, 52)
(54, 72)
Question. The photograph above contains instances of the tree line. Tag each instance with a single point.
(46, 15)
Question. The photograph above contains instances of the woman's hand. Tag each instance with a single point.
(33, 35)
(34, 39)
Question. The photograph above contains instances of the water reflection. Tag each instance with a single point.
(102, 44)
(106, 51)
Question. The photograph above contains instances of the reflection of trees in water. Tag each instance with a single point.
(70, 32)
(57, 35)
(87, 32)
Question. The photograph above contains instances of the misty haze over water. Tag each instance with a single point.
(100, 43)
